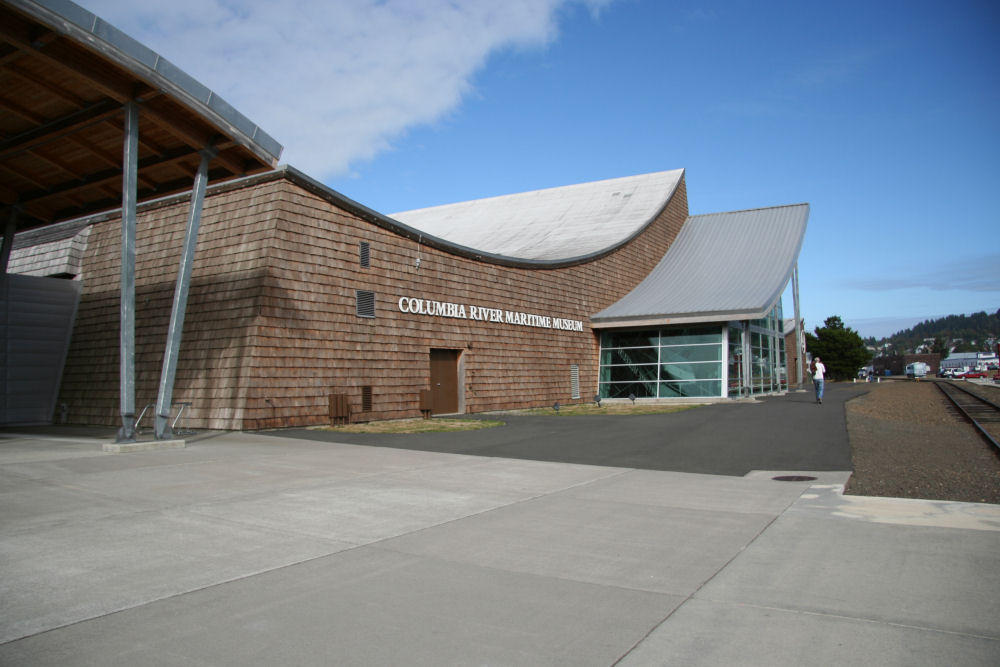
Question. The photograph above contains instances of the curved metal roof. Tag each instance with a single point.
(64, 77)
(722, 266)
(555, 224)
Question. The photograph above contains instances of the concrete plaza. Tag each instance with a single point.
(554, 542)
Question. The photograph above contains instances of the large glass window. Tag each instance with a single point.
(744, 358)
(662, 363)
(760, 359)
(738, 359)
(767, 353)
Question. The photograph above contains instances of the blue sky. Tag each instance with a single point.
(883, 116)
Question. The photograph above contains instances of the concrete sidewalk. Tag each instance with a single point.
(252, 549)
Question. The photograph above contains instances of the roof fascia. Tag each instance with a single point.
(669, 320)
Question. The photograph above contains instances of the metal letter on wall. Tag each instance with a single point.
(162, 426)
(130, 169)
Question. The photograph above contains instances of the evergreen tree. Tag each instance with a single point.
(841, 348)
(976, 330)
(940, 346)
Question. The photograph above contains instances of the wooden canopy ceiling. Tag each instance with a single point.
(64, 78)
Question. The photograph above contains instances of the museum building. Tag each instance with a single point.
(298, 293)
(303, 305)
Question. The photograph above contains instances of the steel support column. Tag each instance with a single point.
(799, 342)
(130, 169)
(745, 345)
(163, 428)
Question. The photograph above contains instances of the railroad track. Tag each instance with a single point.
(983, 413)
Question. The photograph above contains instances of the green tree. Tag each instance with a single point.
(940, 346)
(843, 351)
(966, 346)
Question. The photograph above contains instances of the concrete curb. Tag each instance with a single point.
(127, 447)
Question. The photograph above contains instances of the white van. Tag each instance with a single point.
(917, 369)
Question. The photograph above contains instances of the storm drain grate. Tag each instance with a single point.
(793, 478)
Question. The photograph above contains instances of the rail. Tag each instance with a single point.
(975, 408)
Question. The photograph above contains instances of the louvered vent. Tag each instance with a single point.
(366, 255)
(574, 380)
(366, 303)
(366, 399)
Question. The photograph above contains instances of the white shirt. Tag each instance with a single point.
(820, 371)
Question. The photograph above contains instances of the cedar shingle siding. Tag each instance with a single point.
(272, 330)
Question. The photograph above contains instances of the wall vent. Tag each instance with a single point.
(366, 303)
(365, 253)
(366, 399)
(574, 380)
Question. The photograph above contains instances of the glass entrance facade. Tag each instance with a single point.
(662, 363)
(767, 354)
(714, 360)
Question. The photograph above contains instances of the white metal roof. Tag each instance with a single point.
(553, 224)
(722, 266)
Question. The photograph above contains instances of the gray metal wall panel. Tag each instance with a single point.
(36, 323)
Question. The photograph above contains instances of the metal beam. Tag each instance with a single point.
(745, 362)
(98, 178)
(130, 170)
(57, 129)
(171, 117)
(163, 428)
(799, 342)
(66, 55)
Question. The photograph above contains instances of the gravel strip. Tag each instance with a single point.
(908, 442)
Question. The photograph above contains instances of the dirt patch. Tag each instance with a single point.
(413, 426)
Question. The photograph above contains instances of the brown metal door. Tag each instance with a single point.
(444, 381)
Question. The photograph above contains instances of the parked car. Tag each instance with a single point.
(974, 374)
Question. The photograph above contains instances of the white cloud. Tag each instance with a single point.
(335, 82)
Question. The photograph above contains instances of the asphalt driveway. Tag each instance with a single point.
(789, 432)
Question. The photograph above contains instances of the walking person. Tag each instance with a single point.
(819, 374)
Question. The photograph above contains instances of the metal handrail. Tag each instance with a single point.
(173, 424)
(141, 415)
